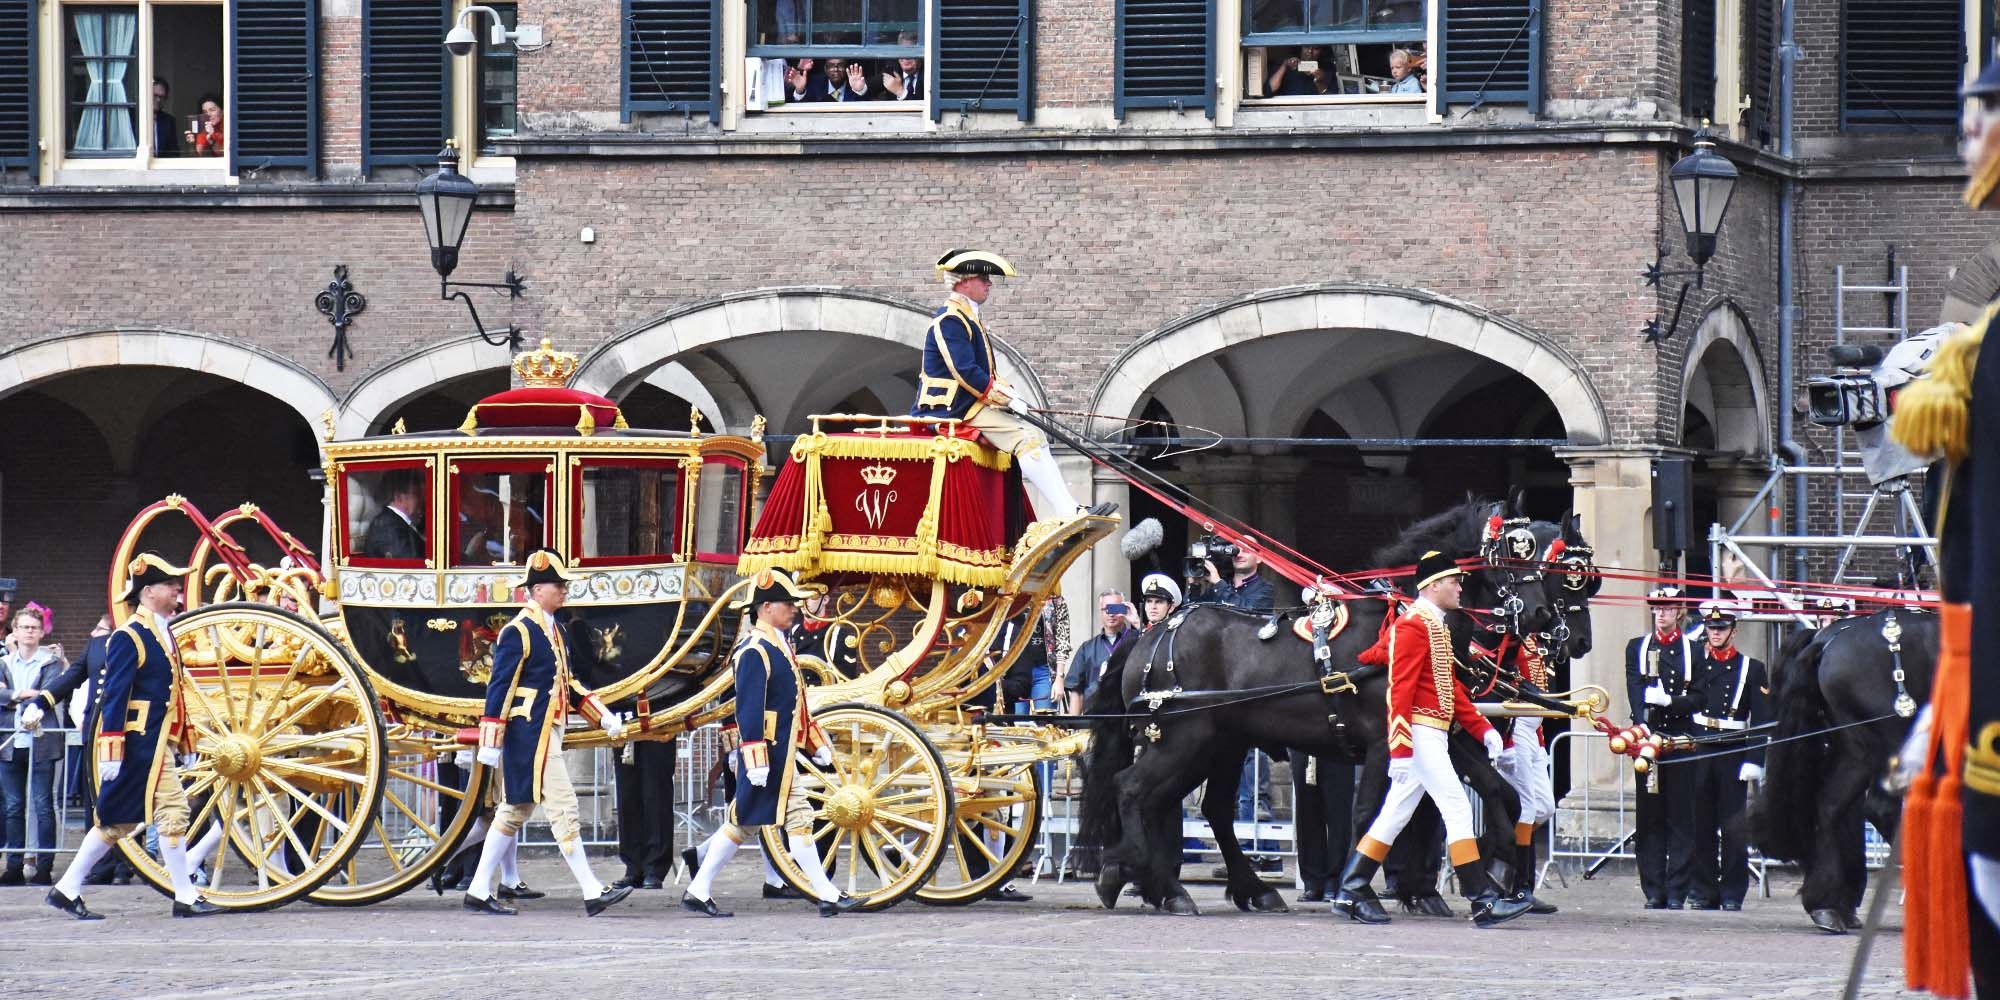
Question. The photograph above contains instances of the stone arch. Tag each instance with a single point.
(1347, 306)
(623, 361)
(386, 388)
(1722, 379)
(26, 364)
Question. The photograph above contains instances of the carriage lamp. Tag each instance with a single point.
(445, 200)
(1702, 182)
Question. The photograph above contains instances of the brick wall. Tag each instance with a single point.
(1076, 53)
(580, 71)
(1604, 50)
(340, 94)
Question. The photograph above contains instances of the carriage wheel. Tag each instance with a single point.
(882, 807)
(420, 824)
(997, 819)
(288, 749)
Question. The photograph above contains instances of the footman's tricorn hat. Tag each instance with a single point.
(546, 566)
(956, 265)
(774, 585)
(147, 569)
(1435, 566)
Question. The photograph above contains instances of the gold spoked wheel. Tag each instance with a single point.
(883, 808)
(994, 825)
(420, 824)
(289, 754)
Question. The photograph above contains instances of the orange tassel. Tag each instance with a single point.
(1936, 936)
(1951, 937)
(1918, 818)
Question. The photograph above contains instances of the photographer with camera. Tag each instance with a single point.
(1244, 588)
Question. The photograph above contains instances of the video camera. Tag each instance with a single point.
(1851, 396)
(1206, 549)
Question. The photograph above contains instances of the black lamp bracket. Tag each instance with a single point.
(1653, 275)
(512, 284)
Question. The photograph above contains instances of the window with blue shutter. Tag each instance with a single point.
(1166, 55)
(1493, 52)
(1900, 63)
(1760, 66)
(1698, 58)
(17, 84)
(672, 48)
(275, 119)
(985, 57)
(405, 82)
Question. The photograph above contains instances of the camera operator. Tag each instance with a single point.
(1245, 587)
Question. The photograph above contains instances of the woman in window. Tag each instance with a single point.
(206, 137)
(1301, 75)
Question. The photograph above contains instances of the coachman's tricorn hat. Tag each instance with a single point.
(147, 569)
(956, 265)
(546, 566)
(1988, 81)
(1435, 566)
(774, 585)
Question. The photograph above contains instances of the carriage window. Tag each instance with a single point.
(386, 511)
(718, 512)
(501, 510)
(627, 514)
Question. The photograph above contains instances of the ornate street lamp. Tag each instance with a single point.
(445, 200)
(1702, 182)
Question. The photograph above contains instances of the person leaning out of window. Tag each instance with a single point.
(205, 134)
(1302, 75)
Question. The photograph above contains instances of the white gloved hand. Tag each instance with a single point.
(107, 771)
(489, 756)
(823, 756)
(1750, 771)
(463, 758)
(1657, 696)
(31, 718)
(1495, 746)
(760, 776)
(614, 727)
(1018, 405)
(1399, 767)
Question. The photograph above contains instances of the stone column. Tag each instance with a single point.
(1104, 567)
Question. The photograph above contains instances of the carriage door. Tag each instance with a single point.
(499, 511)
(720, 509)
(627, 511)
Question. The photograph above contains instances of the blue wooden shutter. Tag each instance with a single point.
(1698, 58)
(405, 82)
(671, 50)
(985, 57)
(1166, 55)
(1493, 52)
(17, 84)
(1761, 65)
(1900, 61)
(274, 120)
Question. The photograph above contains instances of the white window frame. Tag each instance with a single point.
(142, 167)
(467, 90)
(1234, 80)
(736, 112)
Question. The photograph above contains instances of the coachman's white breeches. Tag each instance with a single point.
(1525, 765)
(1430, 774)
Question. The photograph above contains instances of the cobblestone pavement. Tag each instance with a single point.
(1060, 945)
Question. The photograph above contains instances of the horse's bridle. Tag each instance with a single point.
(1509, 551)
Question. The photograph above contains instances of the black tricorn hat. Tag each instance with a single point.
(147, 569)
(774, 585)
(546, 566)
(957, 264)
(1435, 566)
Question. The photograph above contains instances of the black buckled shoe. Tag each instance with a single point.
(201, 907)
(1008, 894)
(489, 906)
(520, 891)
(845, 904)
(71, 905)
(1105, 509)
(606, 900)
(705, 907)
(781, 892)
(1357, 898)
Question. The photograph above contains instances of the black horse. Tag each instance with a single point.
(1819, 789)
(1214, 683)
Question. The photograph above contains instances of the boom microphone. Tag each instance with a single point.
(1142, 539)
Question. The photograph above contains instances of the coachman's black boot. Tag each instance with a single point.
(1524, 880)
(1488, 906)
(1357, 898)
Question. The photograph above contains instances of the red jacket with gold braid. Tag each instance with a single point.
(1422, 687)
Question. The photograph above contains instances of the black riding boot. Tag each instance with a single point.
(1524, 880)
(1357, 898)
(1488, 906)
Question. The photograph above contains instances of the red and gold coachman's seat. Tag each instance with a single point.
(902, 497)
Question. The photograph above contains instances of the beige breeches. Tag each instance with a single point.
(1006, 431)
(170, 809)
(558, 804)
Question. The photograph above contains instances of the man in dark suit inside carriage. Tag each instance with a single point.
(393, 532)
(140, 724)
(1660, 676)
(1733, 689)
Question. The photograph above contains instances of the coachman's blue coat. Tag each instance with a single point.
(137, 719)
(530, 689)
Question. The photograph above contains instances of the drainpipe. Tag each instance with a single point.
(1788, 446)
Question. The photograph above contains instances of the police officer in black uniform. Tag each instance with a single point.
(1733, 691)
(1659, 682)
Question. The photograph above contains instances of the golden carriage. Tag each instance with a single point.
(329, 748)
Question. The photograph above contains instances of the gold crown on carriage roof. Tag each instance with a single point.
(545, 367)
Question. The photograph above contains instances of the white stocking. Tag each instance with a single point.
(579, 866)
(198, 855)
(88, 854)
(806, 856)
(510, 864)
(713, 855)
(173, 852)
(497, 846)
(1040, 469)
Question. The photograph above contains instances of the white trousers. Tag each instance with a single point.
(1430, 774)
(1525, 765)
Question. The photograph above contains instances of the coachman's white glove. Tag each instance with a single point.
(489, 756)
(614, 727)
(1750, 771)
(760, 776)
(1400, 767)
(823, 756)
(1495, 746)
(31, 718)
(107, 771)
(1657, 697)
(463, 758)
